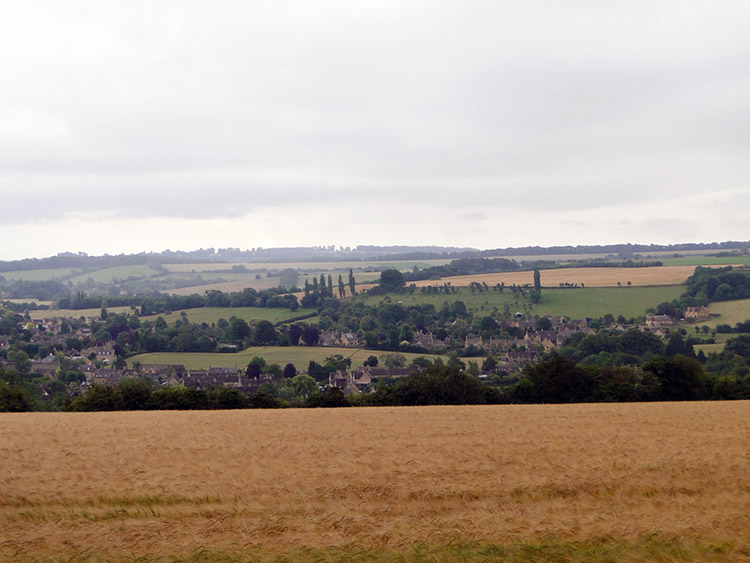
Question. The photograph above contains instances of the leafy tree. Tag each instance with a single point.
(135, 392)
(352, 283)
(99, 398)
(543, 323)
(489, 364)
(371, 361)
(290, 371)
(303, 385)
(437, 385)
(255, 367)
(21, 361)
(310, 335)
(393, 360)
(332, 397)
(238, 329)
(680, 378)
(678, 346)
(391, 281)
(420, 362)
(560, 380)
(14, 398)
(337, 362)
(294, 333)
(265, 333)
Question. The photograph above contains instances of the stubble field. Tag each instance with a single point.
(579, 482)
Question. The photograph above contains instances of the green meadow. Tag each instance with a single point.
(730, 312)
(210, 315)
(108, 275)
(706, 261)
(300, 356)
(76, 313)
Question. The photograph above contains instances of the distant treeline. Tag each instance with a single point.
(332, 253)
(619, 249)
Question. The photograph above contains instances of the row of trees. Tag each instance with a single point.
(555, 380)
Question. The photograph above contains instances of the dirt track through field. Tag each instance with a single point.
(380, 478)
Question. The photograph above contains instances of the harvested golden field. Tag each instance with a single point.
(590, 277)
(576, 482)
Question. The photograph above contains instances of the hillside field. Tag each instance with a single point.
(211, 315)
(730, 312)
(307, 266)
(75, 313)
(590, 277)
(300, 356)
(572, 303)
(618, 482)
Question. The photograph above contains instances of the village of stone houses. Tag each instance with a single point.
(373, 343)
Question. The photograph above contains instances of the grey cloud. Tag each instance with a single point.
(166, 109)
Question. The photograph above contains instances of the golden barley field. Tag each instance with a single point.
(590, 277)
(622, 482)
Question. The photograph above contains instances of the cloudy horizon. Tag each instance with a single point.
(154, 125)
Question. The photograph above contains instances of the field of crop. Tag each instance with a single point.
(300, 356)
(213, 314)
(638, 482)
(572, 303)
(590, 277)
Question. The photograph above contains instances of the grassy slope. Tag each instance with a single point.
(572, 303)
(706, 261)
(300, 356)
(107, 275)
(213, 314)
(39, 275)
(307, 266)
(75, 313)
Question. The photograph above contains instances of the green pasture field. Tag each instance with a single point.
(37, 301)
(730, 312)
(718, 346)
(300, 356)
(40, 275)
(598, 301)
(706, 261)
(572, 303)
(75, 313)
(108, 275)
(211, 315)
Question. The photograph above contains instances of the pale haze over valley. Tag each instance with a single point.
(139, 126)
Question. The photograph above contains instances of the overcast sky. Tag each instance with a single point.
(146, 125)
